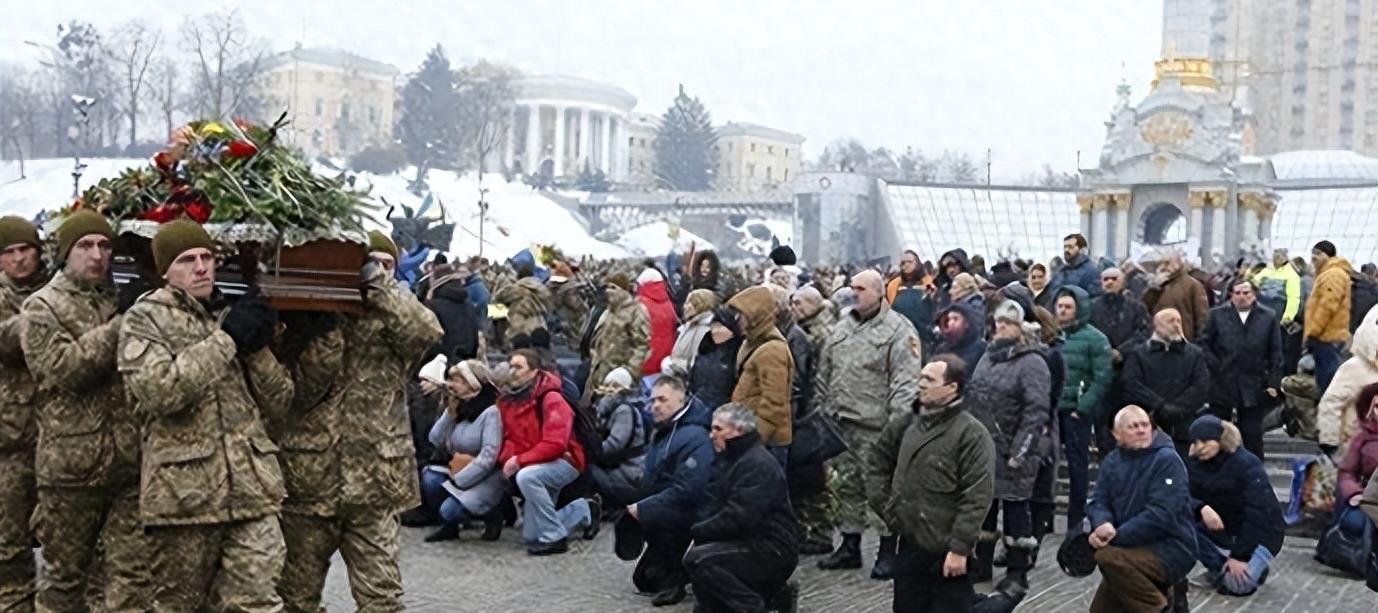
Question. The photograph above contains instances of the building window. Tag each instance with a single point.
(786, 154)
(344, 111)
(770, 176)
(753, 147)
(320, 107)
(786, 177)
(771, 149)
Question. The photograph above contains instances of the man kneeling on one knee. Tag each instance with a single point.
(1239, 524)
(747, 544)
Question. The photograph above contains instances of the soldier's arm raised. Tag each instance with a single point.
(163, 382)
(59, 360)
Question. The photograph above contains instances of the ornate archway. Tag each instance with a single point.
(1162, 223)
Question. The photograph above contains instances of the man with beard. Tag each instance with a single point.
(1077, 269)
(21, 274)
(1172, 288)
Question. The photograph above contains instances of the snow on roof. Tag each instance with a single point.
(990, 222)
(1324, 165)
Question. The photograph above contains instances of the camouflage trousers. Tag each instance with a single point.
(218, 567)
(71, 524)
(817, 513)
(366, 539)
(848, 481)
(17, 500)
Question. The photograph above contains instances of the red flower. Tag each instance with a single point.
(200, 212)
(164, 161)
(162, 213)
(241, 149)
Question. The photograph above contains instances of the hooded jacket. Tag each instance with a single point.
(450, 303)
(869, 370)
(1359, 462)
(765, 367)
(1328, 306)
(1009, 394)
(1171, 381)
(1335, 417)
(1184, 293)
(910, 298)
(1143, 494)
(1279, 288)
(678, 464)
(942, 281)
(538, 425)
(1235, 485)
(655, 297)
(970, 347)
(1086, 356)
(748, 502)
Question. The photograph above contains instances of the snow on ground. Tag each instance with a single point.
(517, 216)
(654, 240)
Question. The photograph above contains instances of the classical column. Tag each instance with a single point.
(533, 139)
(606, 163)
(1100, 224)
(619, 148)
(1221, 225)
(1084, 207)
(509, 150)
(1197, 202)
(584, 139)
(558, 155)
(1123, 202)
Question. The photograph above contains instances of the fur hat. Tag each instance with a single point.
(177, 237)
(618, 279)
(17, 231)
(377, 241)
(1009, 310)
(79, 224)
(698, 302)
(964, 284)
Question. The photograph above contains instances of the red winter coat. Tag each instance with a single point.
(1359, 462)
(536, 440)
(655, 297)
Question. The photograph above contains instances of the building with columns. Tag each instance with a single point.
(338, 102)
(561, 125)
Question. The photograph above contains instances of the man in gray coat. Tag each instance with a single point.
(868, 371)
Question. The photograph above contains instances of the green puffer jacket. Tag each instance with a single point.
(1086, 353)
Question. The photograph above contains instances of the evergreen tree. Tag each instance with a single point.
(429, 127)
(591, 180)
(684, 147)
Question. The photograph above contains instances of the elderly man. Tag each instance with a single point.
(1244, 340)
(1169, 377)
(868, 372)
(348, 447)
(204, 382)
(22, 273)
(1173, 288)
(931, 475)
(746, 546)
(87, 455)
(1141, 521)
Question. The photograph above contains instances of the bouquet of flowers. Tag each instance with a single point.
(230, 172)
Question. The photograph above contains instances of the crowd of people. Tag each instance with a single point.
(200, 452)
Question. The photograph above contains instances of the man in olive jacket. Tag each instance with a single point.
(204, 382)
(347, 445)
(931, 477)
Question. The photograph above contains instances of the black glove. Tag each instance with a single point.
(129, 293)
(251, 323)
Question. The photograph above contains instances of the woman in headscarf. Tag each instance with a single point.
(469, 432)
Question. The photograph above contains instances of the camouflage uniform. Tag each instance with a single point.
(528, 304)
(622, 338)
(572, 305)
(17, 437)
(211, 484)
(348, 455)
(86, 459)
(868, 372)
(818, 513)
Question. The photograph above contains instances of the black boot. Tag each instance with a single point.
(1179, 597)
(784, 600)
(983, 566)
(492, 527)
(885, 558)
(847, 555)
(420, 517)
(446, 532)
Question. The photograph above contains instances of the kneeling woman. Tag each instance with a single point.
(470, 431)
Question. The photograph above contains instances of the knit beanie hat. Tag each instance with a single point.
(618, 279)
(377, 241)
(964, 284)
(1010, 311)
(175, 238)
(1205, 428)
(434, 371)
(77, 225)
(620, 377)
(783, 256)
(698, 302)
(16, 231)
(650, 275)
(1326, 247)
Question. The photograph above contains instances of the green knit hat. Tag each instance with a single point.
(377, 241)
(17, 230)
(177, 237)
(77, 225)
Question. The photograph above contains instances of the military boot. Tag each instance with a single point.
(983, 566)
(885, 558)
(847, 555)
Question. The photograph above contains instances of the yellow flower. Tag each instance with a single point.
(212, 128)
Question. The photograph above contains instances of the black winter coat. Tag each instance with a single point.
(450, 303)
(748, 501)
(1121, 318)
(714, 374)
(1246, 357)
(801, 349)
(1169, 380)
(1236, 486)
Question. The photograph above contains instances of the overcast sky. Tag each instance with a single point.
(1033, 80)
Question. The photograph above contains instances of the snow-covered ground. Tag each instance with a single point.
(654, 240)
(517, 216)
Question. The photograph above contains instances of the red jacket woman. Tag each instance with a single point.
(538, 425)
(654, 293)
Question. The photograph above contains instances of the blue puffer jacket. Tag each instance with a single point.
(678, 465)
(1079, 272)
(1144, 494)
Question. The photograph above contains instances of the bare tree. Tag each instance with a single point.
(486, 95)
(133, 48)
(228, 60)
(165, 87)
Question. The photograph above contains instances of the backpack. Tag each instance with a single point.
(1363, 296)
(643, 428)
(585, 431)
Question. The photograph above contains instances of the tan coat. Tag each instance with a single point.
(765, 367)
(1185, 294)
(208, 458)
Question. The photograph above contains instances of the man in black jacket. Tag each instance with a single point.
(747, 544)
(1244, 341)
(1169, 378)
(1123, 319)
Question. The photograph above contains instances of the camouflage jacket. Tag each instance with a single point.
(87, 435)
(572, 305)
(622, 338)
(17, 389)
(346, 442)
(869, 370)
(208, 458)
(820, 326)
(528, 304)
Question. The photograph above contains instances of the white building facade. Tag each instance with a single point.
(563, 125)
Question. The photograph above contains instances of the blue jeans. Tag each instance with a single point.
(1213, 558)
(1076, 448)
(439, 500)
(540, 485)
(1327, 356)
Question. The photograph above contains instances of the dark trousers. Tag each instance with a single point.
(1250, 423)
(920, 586)
(1076, 447)
(661, 566)
(730, 577)
(1327, 356)
(1018, 525)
